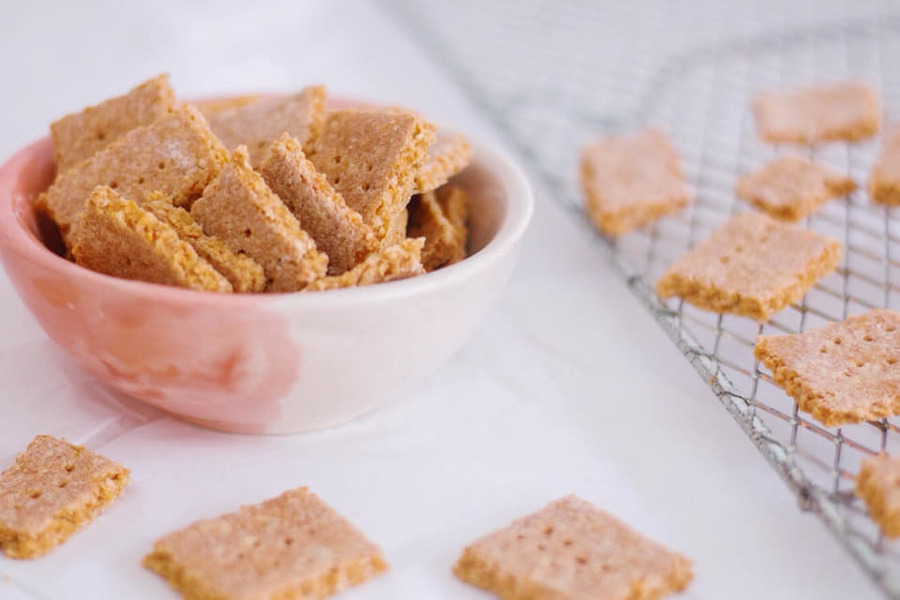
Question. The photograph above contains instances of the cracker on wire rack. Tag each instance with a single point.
(449, 155)
(878, 485)
(884, 181)
(440, 217)
(394, 262)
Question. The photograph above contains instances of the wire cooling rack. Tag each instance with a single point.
(551, 104)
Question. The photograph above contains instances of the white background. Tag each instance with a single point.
(568, 387)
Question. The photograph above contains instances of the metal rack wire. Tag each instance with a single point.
(701, 100)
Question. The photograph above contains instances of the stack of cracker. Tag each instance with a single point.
(256, 194)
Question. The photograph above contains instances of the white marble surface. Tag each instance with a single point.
(568, 387)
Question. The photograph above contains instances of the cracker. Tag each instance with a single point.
(338, 230)
(291, 546)
(177, 155)
(242, 272)
(631, 181)
(216, 106)
(878, 485)
(445, 239)
(791, 188)
(371, 158)
(752, 265)
(884, 181)
(241, 210)
(394, 262)
(79, 136)
(52, 490)
(844, 372)
(257, 124)
(449, 155)
(570, 549)
(806, 115)
(124, 240)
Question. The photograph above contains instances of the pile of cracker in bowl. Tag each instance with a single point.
(255, 193)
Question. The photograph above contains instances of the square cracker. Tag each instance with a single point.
(394, 262)
(791, 188)
(570, 549)
(123, 240)
(241, 210)
(242, 272)
(440, 217)
(52, 490)
(631, 181)
(844, 372)
(177, 155)
(752, 265)
(291, 546)
(449, 155)
(371, 158)
(884, 181)
(878, 485)
(338, 230)
(78, 136)
(806, 115)
(257, 124)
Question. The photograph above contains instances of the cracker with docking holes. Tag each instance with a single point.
(807, 115)
(241, 210)
(791, 188)
(844, 372)
(257, 124)
(124, 240)
(884, 180)
(449, 155)
(177, 155)
(52, 490)
(878, 485)
(440, 217)
(752, 265)
(394, 262)
(291, 546)
(338, 230)
(631, 181)
(242, 272)
(79, 136)
(371, 158)
(571, 549)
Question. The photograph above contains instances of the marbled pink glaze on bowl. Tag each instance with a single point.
(260, 363)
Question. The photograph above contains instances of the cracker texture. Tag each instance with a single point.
(884, 181)
(394, 262)
(440, 218)
(878, 485)
(449, 155)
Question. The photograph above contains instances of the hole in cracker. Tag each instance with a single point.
(70, 468)
(63, 483)
(724, 260)
(247, 232)
(859, 363)
(868, 338)
(541, 547)
(890, 329)
(520, 536)
(113, 185)
(892, 361)
(101, 136)
(161, 165)
(34, 494)
(337, 180)
(140, 180)
(369, 167)
(337, 159)
(738, 249)
(837, 341)
(567, 542)
(823, 350)
(548, 530)
(366, 186)
(581, 560)
(288, 541)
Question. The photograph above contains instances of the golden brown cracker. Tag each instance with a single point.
(291, 546)
(807, 115)
(338, 230)
(631, 181)
(79, 136)
(394, 262)
(752, 265)
(878, 485)
(241, 210)
(570, 549)
(791, 188)
(124, 240)
(884, 181)
(445, 240)
(449, 155)
(843, 372)
(215, 106)
(52, 490)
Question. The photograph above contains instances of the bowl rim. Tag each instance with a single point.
(519, 210)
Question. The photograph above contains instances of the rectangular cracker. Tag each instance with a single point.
(807, 115)
(791, 188)
(257, 124)
(878, 485)
(884, 181)
(338, 230)
(291, 546)
(177, 155)
(752, 265)
(371, 158)
(631, 181)
(394, 262)
(123, 240)
(242, 272)
(52, 490)
(571, 549)
(441, 219)
(449, 155)
(241, 210)
(79, 136)
(844, 372)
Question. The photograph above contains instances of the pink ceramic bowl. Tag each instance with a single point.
(261, 363)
